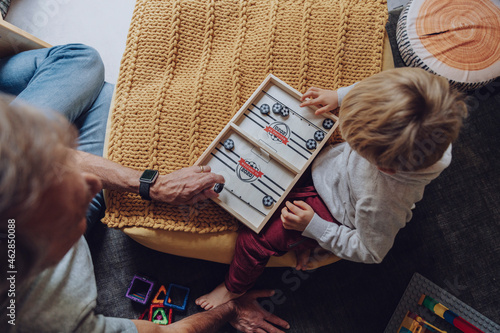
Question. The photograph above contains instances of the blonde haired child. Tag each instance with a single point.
(398, 126)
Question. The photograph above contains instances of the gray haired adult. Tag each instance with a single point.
(36, 160)
(50, 283)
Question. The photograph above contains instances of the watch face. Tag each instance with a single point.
(149, 176)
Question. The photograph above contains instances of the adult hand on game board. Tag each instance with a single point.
(181, 187)
(296, 216)
(326, 100)
(185, 186)
(251, 317)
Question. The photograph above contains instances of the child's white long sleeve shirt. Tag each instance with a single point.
(372, 206)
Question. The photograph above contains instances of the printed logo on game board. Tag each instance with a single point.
(278, 132)
(248, 171)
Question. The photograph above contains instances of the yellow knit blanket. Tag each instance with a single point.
(189, 65)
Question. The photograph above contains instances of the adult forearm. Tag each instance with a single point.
(181, 187)
(243, 313)
(202, 322)
(206, 322)
(114, 176)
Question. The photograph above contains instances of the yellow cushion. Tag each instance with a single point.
(217, 247)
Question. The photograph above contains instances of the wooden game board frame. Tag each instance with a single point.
(233, 127)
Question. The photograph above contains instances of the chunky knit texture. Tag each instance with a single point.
(190, 65)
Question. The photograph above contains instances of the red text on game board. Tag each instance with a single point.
(249, 168)
(277, 134)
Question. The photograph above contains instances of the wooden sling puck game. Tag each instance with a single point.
(264, 149)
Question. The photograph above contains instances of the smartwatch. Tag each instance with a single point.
(148, 177)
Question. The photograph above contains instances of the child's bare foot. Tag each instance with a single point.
(218, 296)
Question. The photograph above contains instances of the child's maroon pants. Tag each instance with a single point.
(252, 251)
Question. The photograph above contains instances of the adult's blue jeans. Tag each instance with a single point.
(68, 79)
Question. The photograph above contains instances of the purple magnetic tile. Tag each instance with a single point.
(140, 289)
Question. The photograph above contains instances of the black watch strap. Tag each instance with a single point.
(144, 190)
(148, 177)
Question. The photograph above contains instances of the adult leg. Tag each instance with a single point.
(66, 78)
(92, 123)
(92, 127)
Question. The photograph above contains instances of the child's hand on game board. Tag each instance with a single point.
(326, 100)
(296, 216)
